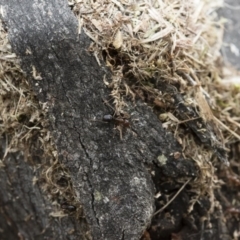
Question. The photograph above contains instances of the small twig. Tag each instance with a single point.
(171, 200)
(108, 104)
(227, 128)
(233, 121)
(31, 128)
(20, 98)
(188, 120)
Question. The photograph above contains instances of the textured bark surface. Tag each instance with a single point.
(24, 212)
(111, 177)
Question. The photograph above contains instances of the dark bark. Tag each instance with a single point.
(111, 177)
(24, 210)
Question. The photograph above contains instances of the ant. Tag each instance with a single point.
(120, 120)
(68, 207)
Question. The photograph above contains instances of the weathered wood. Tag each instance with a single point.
(111, 177)
(24, 210)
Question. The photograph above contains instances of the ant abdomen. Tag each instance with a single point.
(108, 118)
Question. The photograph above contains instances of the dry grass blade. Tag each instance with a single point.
(172, 199)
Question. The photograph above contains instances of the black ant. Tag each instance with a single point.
(68, 207)
(120, 120)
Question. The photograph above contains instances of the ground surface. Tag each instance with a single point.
(174, 223)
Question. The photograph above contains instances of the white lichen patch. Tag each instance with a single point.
(162, 159)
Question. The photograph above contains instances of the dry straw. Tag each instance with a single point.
(152, 37)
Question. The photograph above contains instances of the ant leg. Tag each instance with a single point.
(119, 128)
(109, 105)
(98, 120)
